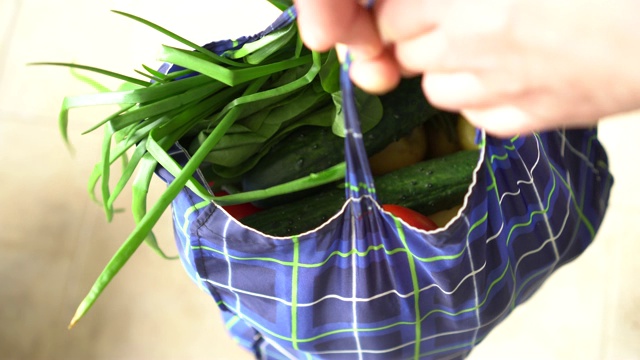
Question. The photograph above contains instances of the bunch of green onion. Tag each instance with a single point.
(227, 109)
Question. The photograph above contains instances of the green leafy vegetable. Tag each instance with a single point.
(228, 109)
(370, 112)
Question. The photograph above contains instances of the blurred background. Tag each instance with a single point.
(54, 241)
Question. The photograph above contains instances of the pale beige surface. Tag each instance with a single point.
(54, 241)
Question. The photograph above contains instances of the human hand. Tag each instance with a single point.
(337, 23)
(510, 66)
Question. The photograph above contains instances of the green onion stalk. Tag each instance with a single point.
(228, 109)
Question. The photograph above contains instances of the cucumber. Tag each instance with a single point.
(427, 187)
(313, 149)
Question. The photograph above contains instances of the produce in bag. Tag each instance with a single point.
(364, 283)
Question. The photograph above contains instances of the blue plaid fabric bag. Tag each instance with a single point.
(366, 285)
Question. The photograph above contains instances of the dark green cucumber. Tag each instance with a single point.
(426, 187)
(313, 149)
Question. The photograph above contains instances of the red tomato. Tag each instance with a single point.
(411, 217)
(238, 211)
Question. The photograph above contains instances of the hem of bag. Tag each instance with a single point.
(474, 180)
(450, 223)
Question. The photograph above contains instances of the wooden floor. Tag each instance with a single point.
(54, 241)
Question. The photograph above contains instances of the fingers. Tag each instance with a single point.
(501, 114)
(399, 20)
(323, 24)
(501, 121)
(456, 91)
(507, 120)
(320, 25)
(461, 47)
(348, 24)
(377, 75)
(423, 53)
(484, 104)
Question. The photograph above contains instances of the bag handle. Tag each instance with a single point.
(358, 178)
